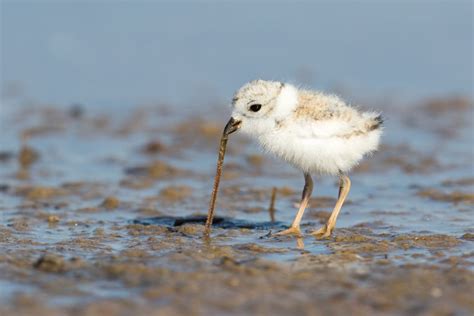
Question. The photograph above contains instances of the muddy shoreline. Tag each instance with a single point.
(103, 214)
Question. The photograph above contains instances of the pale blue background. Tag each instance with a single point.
(189, 52)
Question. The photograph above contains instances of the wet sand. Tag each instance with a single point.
(103, 213)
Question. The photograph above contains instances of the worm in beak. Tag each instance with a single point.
(231, 126)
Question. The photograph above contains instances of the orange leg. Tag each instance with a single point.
(344, 187)
(295, 226)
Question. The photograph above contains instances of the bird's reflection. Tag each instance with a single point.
(299, 243)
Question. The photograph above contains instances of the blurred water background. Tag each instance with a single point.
(117, 53)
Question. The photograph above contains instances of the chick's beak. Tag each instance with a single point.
(232, 126)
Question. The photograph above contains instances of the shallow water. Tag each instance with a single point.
(110, 216)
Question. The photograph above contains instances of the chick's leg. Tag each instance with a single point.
(344, 187)
(295, 226)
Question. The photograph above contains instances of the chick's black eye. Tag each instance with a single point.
(255, 107)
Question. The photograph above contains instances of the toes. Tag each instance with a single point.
(327, 234)
(289, 231)
(322, 233)
(322, 236)
(319, 232)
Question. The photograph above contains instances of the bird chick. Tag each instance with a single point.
(315, 132)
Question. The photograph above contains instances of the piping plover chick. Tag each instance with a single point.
(315, 132)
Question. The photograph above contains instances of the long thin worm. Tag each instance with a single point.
(212, 202)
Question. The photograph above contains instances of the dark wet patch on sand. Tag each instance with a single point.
(219, 222)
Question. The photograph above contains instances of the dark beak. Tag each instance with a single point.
(231, 126)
